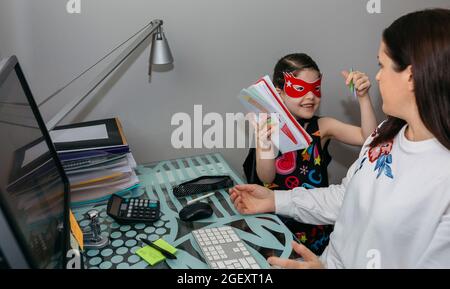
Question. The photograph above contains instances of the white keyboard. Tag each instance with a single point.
(223, 249)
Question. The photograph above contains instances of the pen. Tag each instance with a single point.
(166, 253)
(352, 86)
(200, 198)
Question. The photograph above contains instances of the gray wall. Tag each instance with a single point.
(220, 46)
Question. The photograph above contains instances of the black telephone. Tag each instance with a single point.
(133, 210)
(202, 184)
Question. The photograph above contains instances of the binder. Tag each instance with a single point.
(105, 135)
(97, 160)
(86, 154)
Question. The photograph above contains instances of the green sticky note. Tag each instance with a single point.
(166, 246)
(150, 255)
(153, 256)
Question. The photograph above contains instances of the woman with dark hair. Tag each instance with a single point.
(392, 210)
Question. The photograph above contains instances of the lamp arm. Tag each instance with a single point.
(104, 74)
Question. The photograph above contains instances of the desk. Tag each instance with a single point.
(264, 234)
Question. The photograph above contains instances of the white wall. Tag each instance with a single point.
(220, 46)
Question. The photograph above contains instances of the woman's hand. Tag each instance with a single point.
(252, 199)
(360, 81)
(310, 260)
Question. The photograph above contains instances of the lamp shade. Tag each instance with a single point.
(160, 52)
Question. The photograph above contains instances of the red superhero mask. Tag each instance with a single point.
(296, 88)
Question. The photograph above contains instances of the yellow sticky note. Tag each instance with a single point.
(76, 230)
(153, 256)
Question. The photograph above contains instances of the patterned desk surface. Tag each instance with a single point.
(264, 234)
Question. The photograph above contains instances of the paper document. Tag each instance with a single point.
(262, 97)
(79, 134)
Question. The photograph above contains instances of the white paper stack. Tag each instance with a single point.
(262, 97)
(95, 181)
(97, 160)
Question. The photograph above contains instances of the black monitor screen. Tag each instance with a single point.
(32, 185)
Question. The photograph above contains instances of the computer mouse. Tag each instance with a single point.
(195, 211)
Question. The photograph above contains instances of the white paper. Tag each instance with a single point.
(289, 137)
(131, 161)
(79, 134)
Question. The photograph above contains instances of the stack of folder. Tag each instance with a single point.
(97, 160)
(262, 97)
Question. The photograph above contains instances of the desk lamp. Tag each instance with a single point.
(159, 54)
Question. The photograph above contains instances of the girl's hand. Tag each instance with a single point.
(360, 81)
(310, 260)
(264, 131)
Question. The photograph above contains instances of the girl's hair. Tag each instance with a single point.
(292, 63)
(422, 40)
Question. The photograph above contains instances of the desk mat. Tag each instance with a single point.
(264, 234)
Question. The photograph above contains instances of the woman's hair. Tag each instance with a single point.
(292, 63)
(422, 40)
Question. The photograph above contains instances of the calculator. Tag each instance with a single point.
(133, 210)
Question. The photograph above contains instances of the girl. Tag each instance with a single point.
(297, 79)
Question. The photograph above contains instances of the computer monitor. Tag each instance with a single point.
(34, 201)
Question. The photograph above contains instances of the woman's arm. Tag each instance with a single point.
(319, 206)
(437, 255)
(315, 206)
